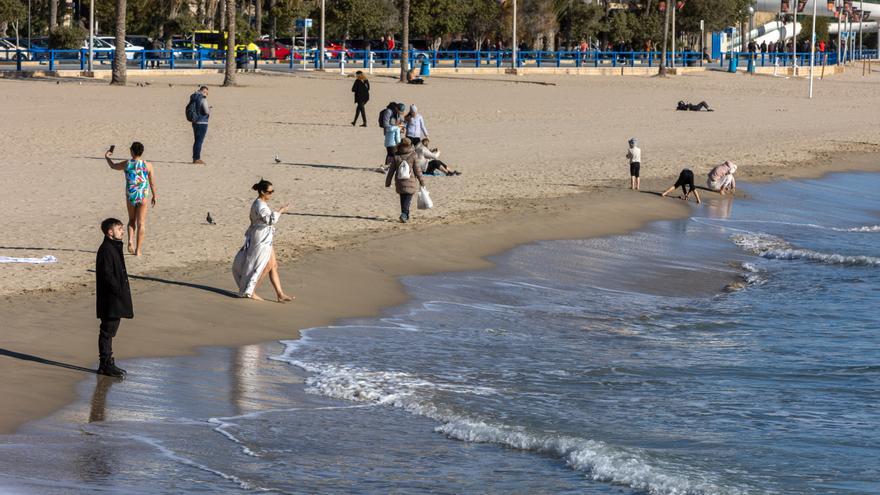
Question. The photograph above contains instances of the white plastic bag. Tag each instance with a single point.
(403, 171)
(425, 202)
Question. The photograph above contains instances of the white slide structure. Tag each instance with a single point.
(768, 33)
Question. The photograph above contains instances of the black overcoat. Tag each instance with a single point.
(112, 290)
(361, 90)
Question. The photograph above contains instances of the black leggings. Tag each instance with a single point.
(389, 155)
(435, 165)
(362, 112)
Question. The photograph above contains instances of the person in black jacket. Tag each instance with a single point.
(361, 90)
(113, 295)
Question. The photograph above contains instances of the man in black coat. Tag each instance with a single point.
(361, 90)
(113, 293)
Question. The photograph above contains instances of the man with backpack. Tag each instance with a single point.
(198, 112)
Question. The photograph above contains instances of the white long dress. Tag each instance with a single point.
(253, 257)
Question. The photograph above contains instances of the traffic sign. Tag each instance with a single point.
(303, 23)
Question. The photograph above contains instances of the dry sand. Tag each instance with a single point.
(523, 148)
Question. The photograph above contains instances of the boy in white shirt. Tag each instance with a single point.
(635, 161)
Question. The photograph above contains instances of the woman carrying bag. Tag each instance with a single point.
(406, 175)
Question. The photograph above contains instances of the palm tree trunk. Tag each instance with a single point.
(273, 30)
(404, 54)
(119, 75)
(258, 17)
(53, 14)
(229, 79)
(669, 5)
(222, 15)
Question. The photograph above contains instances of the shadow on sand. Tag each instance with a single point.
(206, 288)
(313, 124)
(353, 217)
(68, 250)
(332, 167)
(37, 359)
(121, 157)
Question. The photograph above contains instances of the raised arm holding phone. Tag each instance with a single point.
(140, 183)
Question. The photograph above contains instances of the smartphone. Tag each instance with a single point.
(112, 147)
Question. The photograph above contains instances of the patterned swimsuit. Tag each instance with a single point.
(136, 182)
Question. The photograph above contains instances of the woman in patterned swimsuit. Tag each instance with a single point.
(139, 179)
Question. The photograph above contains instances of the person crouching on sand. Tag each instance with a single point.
(140, 179)
(256, 258)
(721, 178)
(112, 294)
(685, 181)
(406, 175)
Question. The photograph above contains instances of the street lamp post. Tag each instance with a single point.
(513, 46)
(813, 48)
(323, 2)
(91, 33)
(29, 25)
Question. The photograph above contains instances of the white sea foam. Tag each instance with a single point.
(598, 460)
(863, 228)
(773, 247)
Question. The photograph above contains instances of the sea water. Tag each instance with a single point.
(733, 352)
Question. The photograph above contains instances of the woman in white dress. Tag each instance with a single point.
(256, 258)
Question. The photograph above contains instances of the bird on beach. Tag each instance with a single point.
(210, 219)
(277, 160)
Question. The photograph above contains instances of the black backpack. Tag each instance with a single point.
(193, 107)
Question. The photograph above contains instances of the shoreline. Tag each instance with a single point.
(360, 276)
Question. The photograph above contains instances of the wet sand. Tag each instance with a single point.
(341, 256)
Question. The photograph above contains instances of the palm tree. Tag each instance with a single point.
(229, 79)
(53, 14)
(662, 72)
(404, 55)
(119, 76)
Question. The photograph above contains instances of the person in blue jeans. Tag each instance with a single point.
(200, 124)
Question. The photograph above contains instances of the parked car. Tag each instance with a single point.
(8, 49)
(216, 40)
(132, 52)
(185, 49)
(282, 51)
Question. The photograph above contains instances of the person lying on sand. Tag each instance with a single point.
(686, 183)
(694, 108)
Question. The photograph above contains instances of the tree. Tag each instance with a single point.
(119, 75)
(404, 54)
(578, 19)
(229, 77)
(53, 14)
(483, 21)
(358, 18)
(435, 18)
(11, 11)
(662, 72)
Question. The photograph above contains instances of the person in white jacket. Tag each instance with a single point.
(415, 126)
(428, 160)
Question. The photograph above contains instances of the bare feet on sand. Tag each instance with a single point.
(130, 248)
(283, 298)
(255, 297)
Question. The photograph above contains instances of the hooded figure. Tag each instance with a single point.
(407, 176)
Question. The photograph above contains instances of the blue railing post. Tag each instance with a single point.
(650, 59)
(143, 59)
(558, 58)
(18, 60)
(478, 58)
(457, 58)
(82, 59)
(171, 60)
(497, 58)
(51, 60)
(613, 59)
(388, 59)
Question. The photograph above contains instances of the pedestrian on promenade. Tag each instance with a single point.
(112, 294)
(406, 175)
(198, 112)
(140, 184)
(686, 183)
(634, 154)
(256, 258)
(361, 90)
(415, 126)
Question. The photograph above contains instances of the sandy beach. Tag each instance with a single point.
(540, 161)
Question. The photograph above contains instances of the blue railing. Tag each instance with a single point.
(783, 59)
(203, 57)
